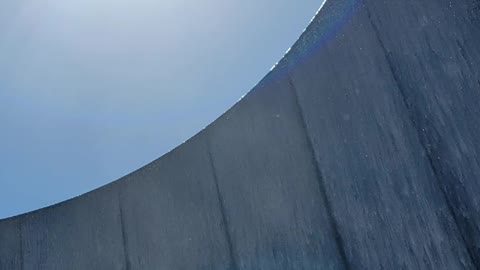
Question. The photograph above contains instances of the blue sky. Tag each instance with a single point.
(91, 90)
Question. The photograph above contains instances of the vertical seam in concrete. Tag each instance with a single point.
(124, 235)
(226, 226)
(321, 180)
(20, 236)
(429, 156)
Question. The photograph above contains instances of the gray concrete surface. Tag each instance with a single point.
(360, 150)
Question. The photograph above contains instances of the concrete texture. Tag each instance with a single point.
(172, 217)
(276, 210)
(360, 150)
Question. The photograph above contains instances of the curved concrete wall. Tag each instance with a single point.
(360, 150)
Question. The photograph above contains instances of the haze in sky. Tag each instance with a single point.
(91, 90)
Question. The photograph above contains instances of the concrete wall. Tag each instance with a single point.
(360, 150)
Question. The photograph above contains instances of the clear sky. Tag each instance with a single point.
(91, 90)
